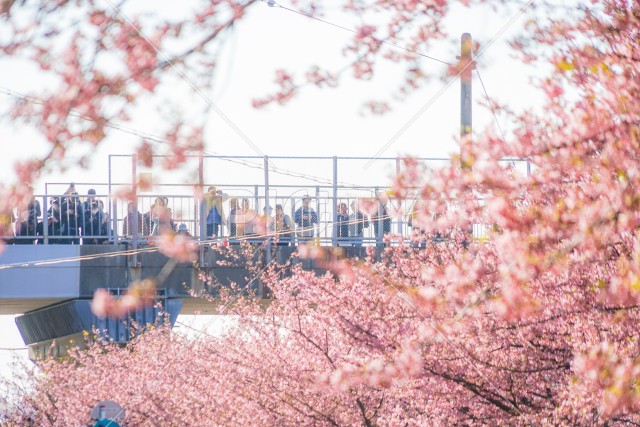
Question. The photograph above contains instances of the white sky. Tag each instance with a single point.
(319, 122)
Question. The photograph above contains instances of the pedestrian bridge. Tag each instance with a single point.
(52, 264)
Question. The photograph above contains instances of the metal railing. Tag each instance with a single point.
(106, 217)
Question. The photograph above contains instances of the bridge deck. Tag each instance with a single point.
(35, 276)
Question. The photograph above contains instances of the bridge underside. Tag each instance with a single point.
(52, 285)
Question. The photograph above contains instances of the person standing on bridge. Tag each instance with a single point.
(214, 211)
(27, 223)
(246, 220)
(305, 218)
(54, 222)
(71, 216)
(86, 205)
(158, 218)
(183, 230)
(357, 223)
(94, 226)
(282, 227)
(381, 220)
(130, 220)
(233, 207)
(342, 225)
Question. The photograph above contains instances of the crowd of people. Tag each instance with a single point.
(67, 220)
(245, 222)
(70, 220)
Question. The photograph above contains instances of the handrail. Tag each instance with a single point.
(326, 193)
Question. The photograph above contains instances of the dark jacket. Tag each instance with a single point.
(70, 213)
(358, 222)
(342, 222)
(381, 217)
(94, 225)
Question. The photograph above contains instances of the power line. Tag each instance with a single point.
(272, 3)
(214, 107)
(433, 99)
(154, 138)
(491, 105)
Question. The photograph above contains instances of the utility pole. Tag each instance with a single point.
(466, 61)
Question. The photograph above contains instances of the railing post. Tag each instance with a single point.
(266, 216)
(45, 224)
(318, 214)
(112, 202)
(256, 197)
(334, 238)
(379, 231)
(45, 218)
(202, 213)
(401, 219)
(134, 187)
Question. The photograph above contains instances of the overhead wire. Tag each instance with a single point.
(490, 105)
(286, 172)
(275, 169)
(360, 57)
(434, 98)
(184, 77)
(272, 3)
(154, 138)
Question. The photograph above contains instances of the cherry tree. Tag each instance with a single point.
(535, 324)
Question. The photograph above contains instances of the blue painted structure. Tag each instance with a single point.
(52, 286)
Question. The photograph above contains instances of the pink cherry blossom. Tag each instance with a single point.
(102, 303)
(177, 246)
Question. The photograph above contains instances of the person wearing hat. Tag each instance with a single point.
(71, 213)
(183, 230)
(86, 205)
(94, 225)
(305, 218)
